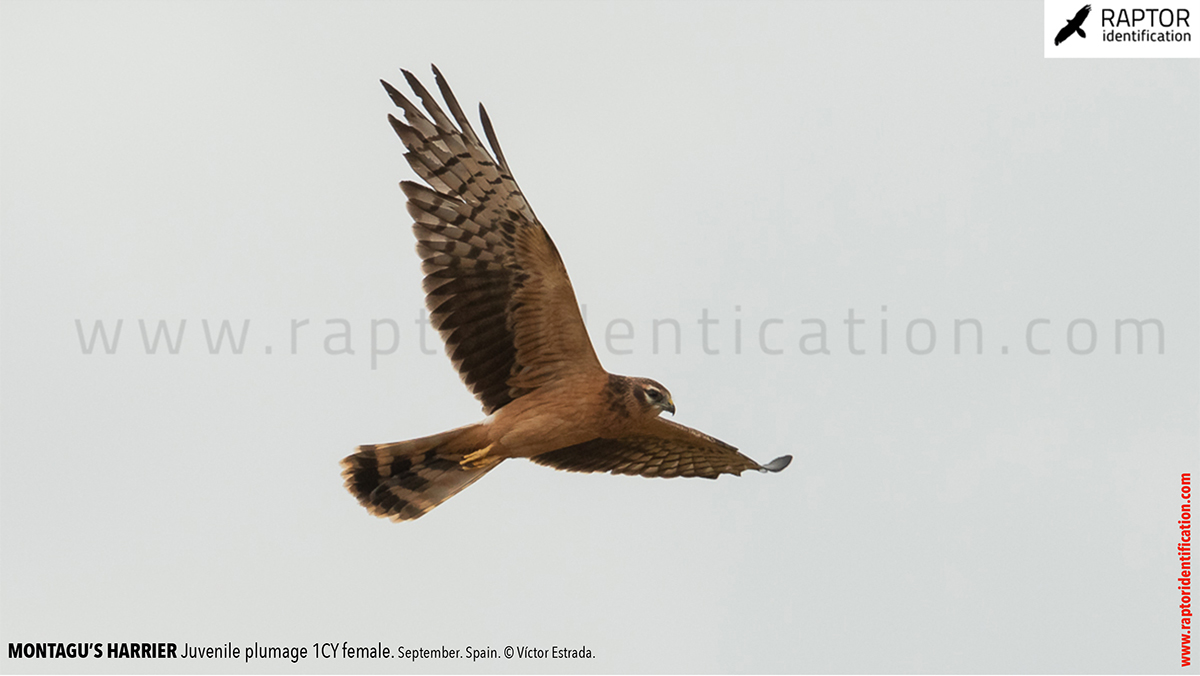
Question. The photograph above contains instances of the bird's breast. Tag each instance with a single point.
(551, 418)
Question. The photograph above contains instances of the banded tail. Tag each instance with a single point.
(405, 479)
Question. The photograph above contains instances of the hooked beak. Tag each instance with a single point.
(669, 407)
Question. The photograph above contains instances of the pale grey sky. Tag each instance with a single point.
(771, 166)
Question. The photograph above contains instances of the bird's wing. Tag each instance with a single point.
(495, 285)
(1064, 33)
(662, 449)
(1080, 16)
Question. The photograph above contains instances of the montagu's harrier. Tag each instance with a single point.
(499, 295)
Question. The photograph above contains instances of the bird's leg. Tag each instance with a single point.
(476, 459)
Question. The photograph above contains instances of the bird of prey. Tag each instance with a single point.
(499, 295)
(1073, 26)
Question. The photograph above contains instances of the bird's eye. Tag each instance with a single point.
(653, 394)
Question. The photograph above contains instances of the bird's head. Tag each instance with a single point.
(652, 396)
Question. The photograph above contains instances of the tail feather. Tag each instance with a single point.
(404, 480)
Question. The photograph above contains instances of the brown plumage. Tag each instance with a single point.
(499, 295)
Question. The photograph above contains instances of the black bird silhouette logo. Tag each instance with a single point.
(1073, 26)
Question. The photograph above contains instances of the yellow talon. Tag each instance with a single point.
(475, 460)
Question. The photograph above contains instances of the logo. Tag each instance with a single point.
(1073, 26)
(1121, 29)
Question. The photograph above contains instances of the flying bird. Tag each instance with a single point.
(1073, 26)
(499, 295)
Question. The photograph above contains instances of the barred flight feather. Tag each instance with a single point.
(404, 480)
(484, 255)
(664, 449)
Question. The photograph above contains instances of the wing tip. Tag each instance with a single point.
(778, 464)
(416, 86)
